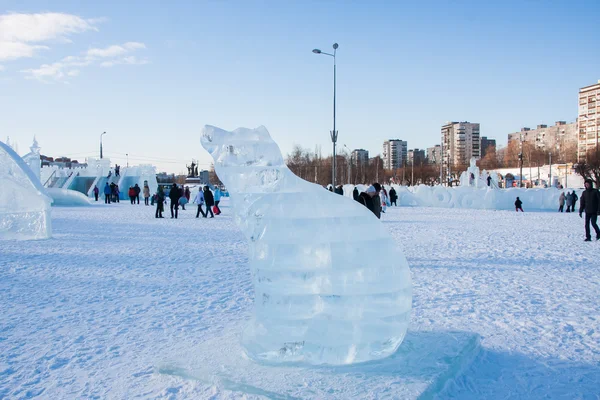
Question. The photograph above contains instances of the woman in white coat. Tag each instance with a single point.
(199, 199)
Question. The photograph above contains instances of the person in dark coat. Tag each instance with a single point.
(574, 199)
(377, 200)
(489, 180)
(137, 189)
(131, 194)
(590, 203)
(160, 202)
(174, 195)
(518, 205)
(393, 197)
(366, 198)
(355, 194)
(210, 202)
(96, 191)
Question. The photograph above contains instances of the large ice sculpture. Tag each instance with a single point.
(24, 205)
(330, 285)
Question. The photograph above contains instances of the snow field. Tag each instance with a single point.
(96, 310)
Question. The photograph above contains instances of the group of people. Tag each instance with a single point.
(181, 196)
(111, 193)
(570, 199)
(134, 194)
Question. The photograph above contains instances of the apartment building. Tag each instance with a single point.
(589, 120)
(434, 154)
(360, 157)
(416, 157)
(557, 138)
(395, 152)
(460, 142)
(485, 143)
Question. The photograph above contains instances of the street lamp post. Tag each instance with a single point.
(334, 133)
(127, 154)
(103, 133)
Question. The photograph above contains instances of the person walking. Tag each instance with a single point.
(518, 205)
(393, 197)
(489, 180)
(174, 195)
(383, 197)
(569, 198)
(137, 192)
(574, 199)
(377, 200)
(131, 194)
(561, 202)
(367, 199)
(146, 192)
(116, 193)
(160, 202)
(107, 193)
(187, 193)
(218, 195)
(590, 203)
(199, 200)
(96, 192)
(210, 201)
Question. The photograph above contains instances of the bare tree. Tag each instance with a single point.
(590, 168)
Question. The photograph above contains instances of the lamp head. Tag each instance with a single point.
(335, 46)
(317, 51)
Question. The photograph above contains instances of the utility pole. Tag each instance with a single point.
(521, 160)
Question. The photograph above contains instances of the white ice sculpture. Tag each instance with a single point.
(330, 285)
(24, 205)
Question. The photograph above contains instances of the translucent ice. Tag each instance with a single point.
(330, 285)
(24, 206)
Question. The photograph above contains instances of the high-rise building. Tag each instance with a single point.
(589, 120)
(460, 141)
(394, 153)
(416, 157)
(485, 143)
(360, 157)
(434, 154)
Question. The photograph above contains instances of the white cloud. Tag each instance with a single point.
(70, 66)
(20, 34)
(115, 50)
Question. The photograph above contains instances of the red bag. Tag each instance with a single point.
(216, 210)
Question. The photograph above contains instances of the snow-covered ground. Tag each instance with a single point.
(96, 311)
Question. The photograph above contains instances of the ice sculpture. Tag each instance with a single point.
(24, 205)
(330, 285)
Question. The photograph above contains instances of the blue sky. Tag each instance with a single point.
(151, 74)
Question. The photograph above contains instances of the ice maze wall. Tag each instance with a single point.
(24, 205)
(320, 298)
(471, 197)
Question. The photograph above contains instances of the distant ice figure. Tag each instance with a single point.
(330, 285)
(24, 205)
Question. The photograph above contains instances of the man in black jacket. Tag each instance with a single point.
(174, 196)
(590, 202)
(210, 202)
(393, 197)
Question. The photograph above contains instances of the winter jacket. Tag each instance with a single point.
(366, 201)
(96, 190)
(208, 198)
(199, 199)
(569, 198)
(131, 192)
(218, 195)
(590, 201)
(174, 194)
(561, 200)
(107, 189)
(377, 206)
(137, 189)
(146, 191)
(393, 196)
(160, 196)
(355, 194)
(518, 203)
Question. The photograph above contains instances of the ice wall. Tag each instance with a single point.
(24, 205)
(330, 285)
(67, 198)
